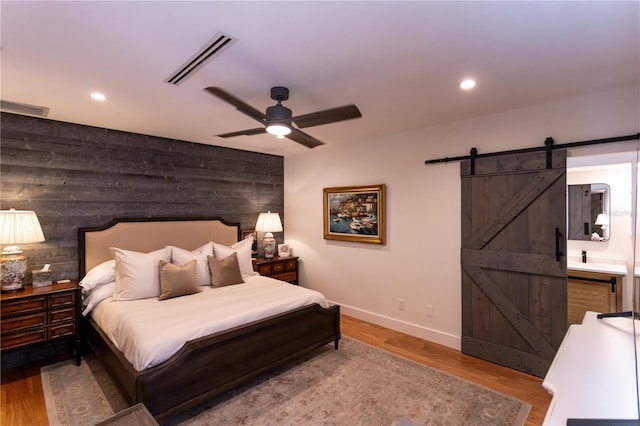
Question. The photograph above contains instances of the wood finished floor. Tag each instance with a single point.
(22, 399)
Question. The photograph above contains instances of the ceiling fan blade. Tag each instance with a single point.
(347, 112)
(240, 105)
(303, 138)
(248, 132)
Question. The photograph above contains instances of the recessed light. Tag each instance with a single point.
(97, 96)
(468, 84)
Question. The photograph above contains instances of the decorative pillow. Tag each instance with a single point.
(226, 271)
(177, 280)
(181, 256)
(104, 273)
(138, 274)
(243, 249)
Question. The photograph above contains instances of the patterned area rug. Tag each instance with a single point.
(355, 385)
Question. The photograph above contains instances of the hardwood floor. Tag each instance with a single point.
(22, 399)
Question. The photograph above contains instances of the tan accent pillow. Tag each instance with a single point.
(225, 271)
(177, 280)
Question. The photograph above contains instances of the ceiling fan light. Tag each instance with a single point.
(278, 129)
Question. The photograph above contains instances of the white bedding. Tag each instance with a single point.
(149, 331)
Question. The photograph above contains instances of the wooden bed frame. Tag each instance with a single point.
(207, 366)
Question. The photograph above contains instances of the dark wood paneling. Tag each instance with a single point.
(76, 176)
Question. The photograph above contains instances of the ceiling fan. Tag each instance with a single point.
(278, 118)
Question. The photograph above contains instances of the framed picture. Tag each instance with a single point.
(354, 213)
(254, 247)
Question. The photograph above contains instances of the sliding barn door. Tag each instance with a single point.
(514, 280)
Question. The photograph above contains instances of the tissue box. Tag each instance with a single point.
(41, 278)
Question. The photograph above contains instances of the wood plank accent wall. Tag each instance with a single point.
(73, 176)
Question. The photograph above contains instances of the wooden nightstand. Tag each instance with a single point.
(280, 268)
(43, 314)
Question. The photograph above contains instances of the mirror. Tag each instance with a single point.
(588, 212)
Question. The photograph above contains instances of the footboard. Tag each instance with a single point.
(211, 365)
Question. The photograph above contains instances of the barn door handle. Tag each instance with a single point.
(558, 252)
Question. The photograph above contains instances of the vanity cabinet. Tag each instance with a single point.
(592, 291)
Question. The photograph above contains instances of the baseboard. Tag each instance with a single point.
(415, 330)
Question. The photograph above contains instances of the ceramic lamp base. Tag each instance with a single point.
(269, 245)
(13, 268)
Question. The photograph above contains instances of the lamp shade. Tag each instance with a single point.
(19, 227)
(602, 219)
(269, 222)
(16, 227)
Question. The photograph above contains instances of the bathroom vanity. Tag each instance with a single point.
(593, 287)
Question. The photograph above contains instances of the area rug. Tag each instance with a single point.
(355, 385)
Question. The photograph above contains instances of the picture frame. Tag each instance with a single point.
(355, 213)
(248, 233)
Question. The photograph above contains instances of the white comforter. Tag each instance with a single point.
(149, 331)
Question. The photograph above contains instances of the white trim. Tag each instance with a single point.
(415, 330)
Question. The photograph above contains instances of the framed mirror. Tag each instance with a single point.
(588, 212)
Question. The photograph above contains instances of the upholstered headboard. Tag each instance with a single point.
(150, 234)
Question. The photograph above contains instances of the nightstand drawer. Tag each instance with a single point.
(62, 330)
(287, 276)
(61, 315)
(278, 268)
(21, 306)
(23, 339)
(63, 299)
(265, 270)
(24, 322)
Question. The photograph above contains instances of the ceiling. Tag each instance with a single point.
(399, 62)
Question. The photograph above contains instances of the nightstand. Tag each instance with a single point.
(280, 268)
(42, 314)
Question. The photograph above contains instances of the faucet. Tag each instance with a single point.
(584, 256)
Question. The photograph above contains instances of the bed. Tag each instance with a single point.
(212, 364)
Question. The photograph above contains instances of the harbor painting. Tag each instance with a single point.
(354, 213)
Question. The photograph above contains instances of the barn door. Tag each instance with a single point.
(514, 280)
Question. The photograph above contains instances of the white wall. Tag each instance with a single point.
(421, 259)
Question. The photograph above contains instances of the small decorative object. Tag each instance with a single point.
(284, 250)
(42, 278)
(16, 227)
(269, 223)
(355, 213)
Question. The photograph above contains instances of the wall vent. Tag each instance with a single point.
(214, 47)
(24, 109)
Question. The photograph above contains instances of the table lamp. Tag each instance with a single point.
(16, 227)
(269, 223)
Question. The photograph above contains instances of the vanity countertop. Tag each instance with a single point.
(604, 268)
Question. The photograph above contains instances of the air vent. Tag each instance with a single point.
(214, 47)
(24, 109)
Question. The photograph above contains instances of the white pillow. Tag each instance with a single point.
(97, 296)
(181, 256)
(104, 273)
(243, 248)
(138, 274)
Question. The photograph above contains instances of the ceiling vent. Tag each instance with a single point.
(214, 47)
(24, 109)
